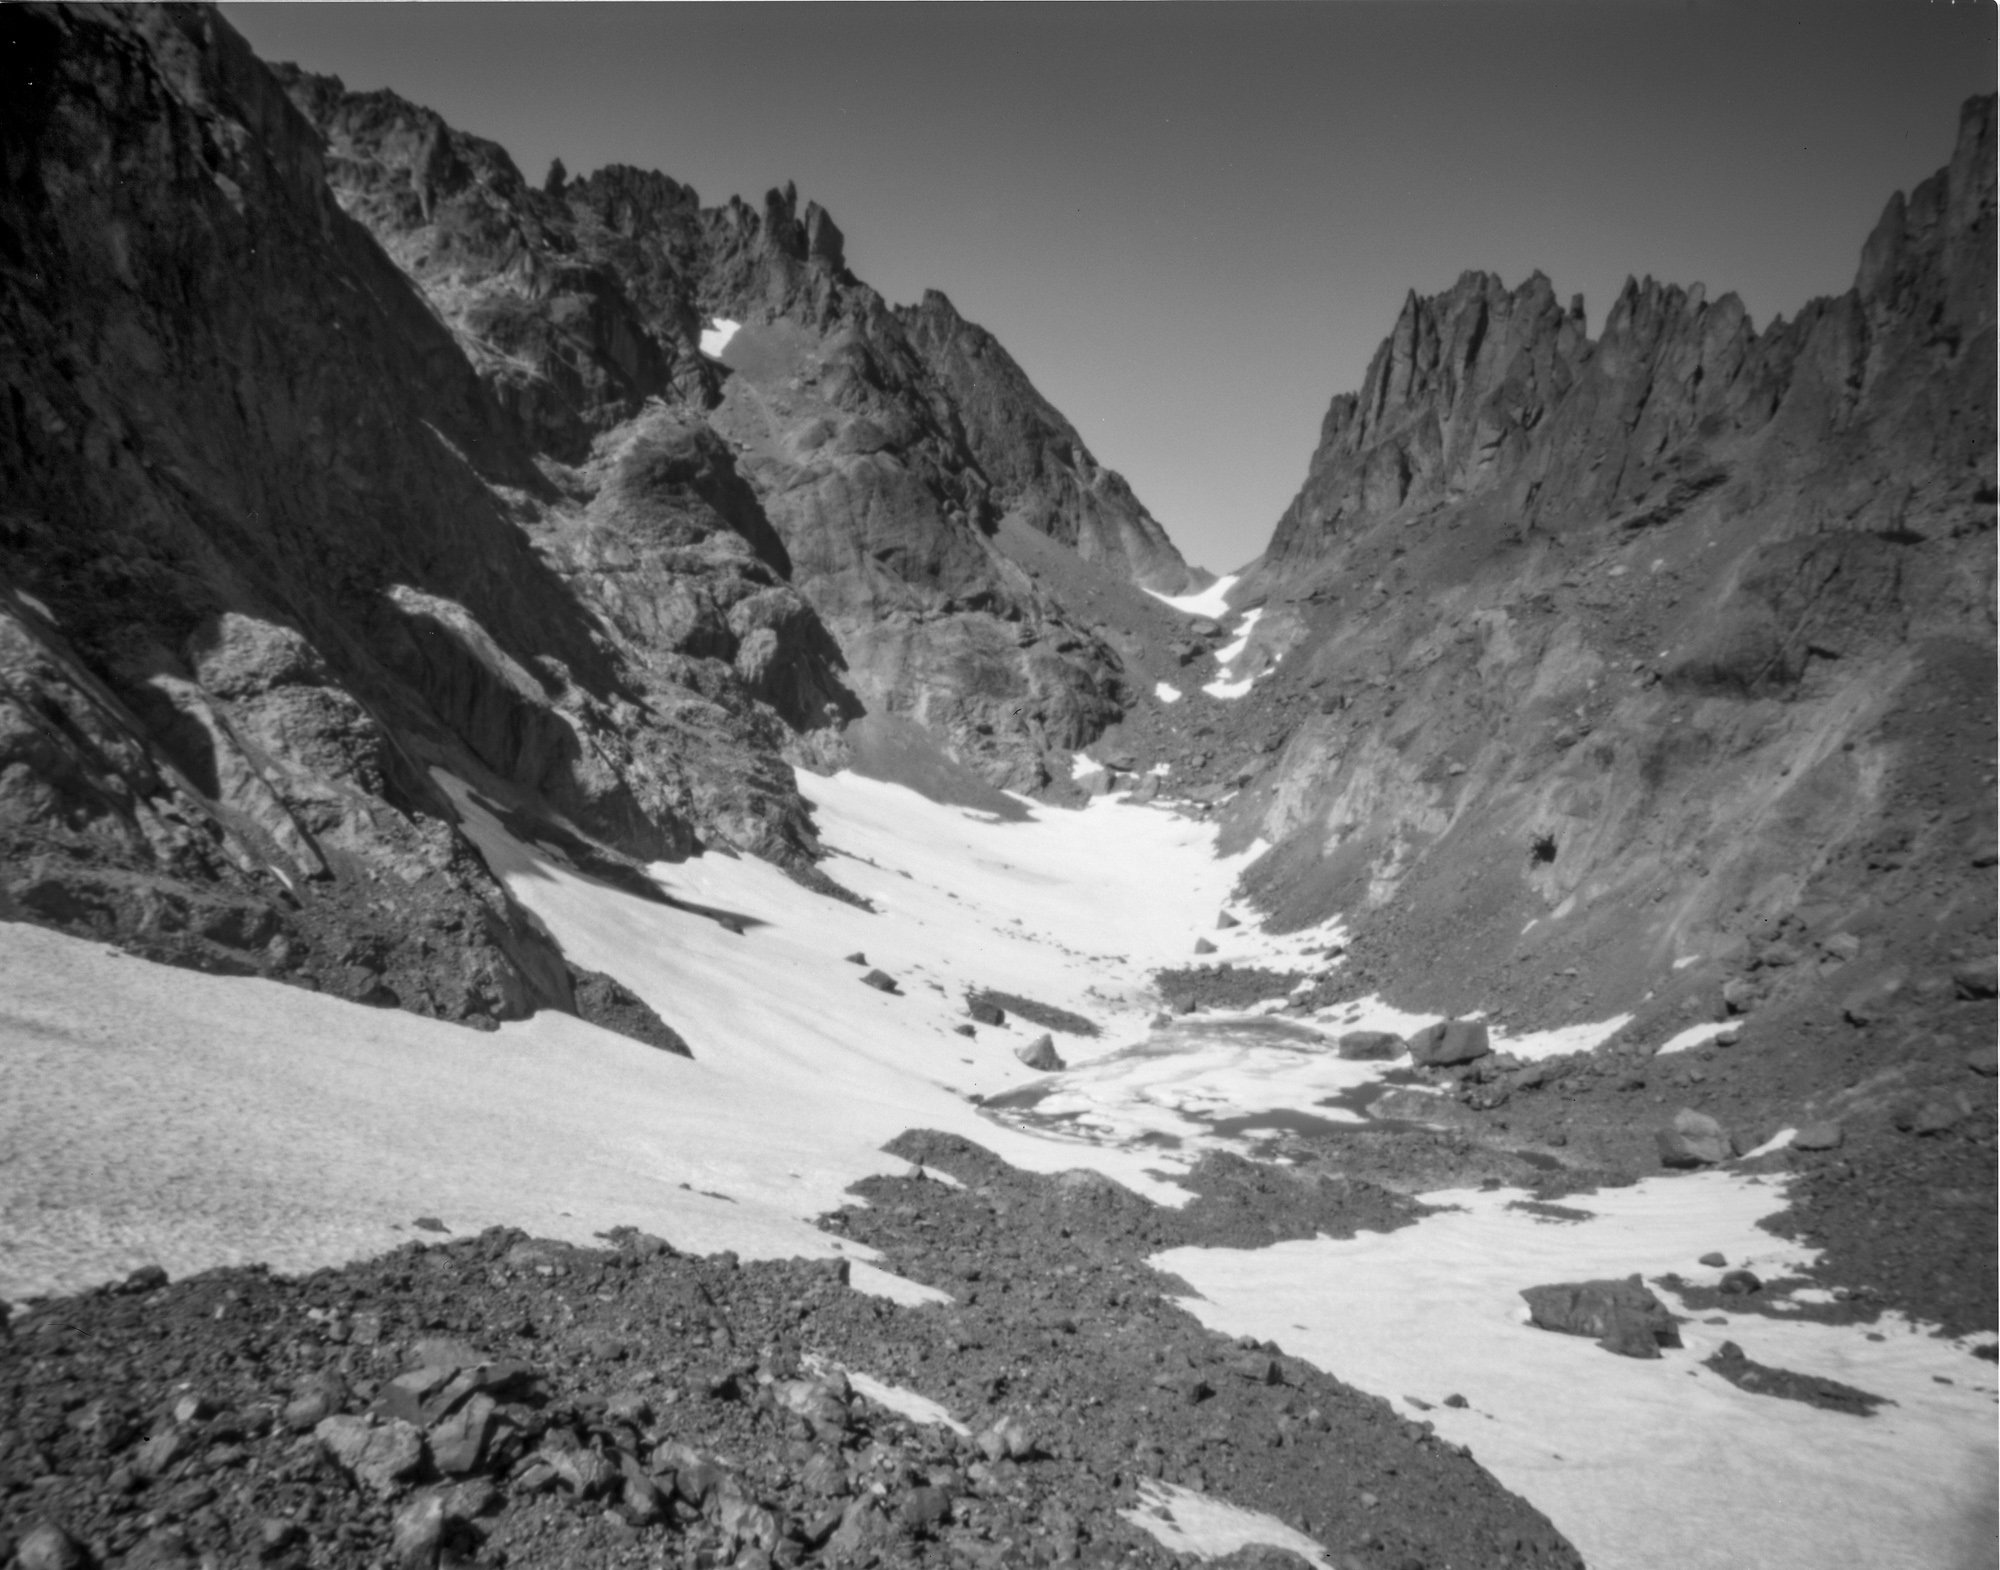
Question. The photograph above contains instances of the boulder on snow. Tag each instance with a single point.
(1203, 946)
(1225, 921)
(1369, 1046)
(1694, 1140)
(857, 958)
(881, 981)
(1448, 1042)
(1623, 1316)
(1041, 1055)
(985, 1013)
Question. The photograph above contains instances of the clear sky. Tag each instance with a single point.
(1193, 224)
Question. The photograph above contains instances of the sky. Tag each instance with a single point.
(1192, 224)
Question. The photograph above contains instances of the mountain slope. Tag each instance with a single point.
(886, 446)
(274, 552)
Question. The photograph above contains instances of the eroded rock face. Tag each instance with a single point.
(275, 552)
(882, 449)
(1596, 656)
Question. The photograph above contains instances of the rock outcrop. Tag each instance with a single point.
(276, 553)
(1606, 669)
(885, 447)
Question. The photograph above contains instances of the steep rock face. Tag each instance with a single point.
(275, 553)
(1601, 664)
(1038, 467)
(885, 447)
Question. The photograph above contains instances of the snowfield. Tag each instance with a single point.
(161, 1115)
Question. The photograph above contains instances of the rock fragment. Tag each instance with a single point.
(1041, 1055)
(1449, 1042)
(1694, 1140)
(1369, 1046)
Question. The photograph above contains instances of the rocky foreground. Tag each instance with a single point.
(501, 1400)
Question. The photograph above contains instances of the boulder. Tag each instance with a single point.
(1977, 978)
(1693, 1140)
(49, 1547)
(1369, 1046)
(1623, 1316)
(881, 981)
(986, 1013)
(1041, 1055)
(1817, 1136)
(1203, 946)
(380, 1457)
(1225, 921)
(1449, 1042)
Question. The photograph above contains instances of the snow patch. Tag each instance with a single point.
(716, 335)
(1185, 1522)
(1212, 602)
(1165, 693)
(1566, 1038)
(1644, 1465)
(906, 1403)
(1694, 1036)
(1777, 1141)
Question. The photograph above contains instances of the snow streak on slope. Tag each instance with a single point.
(1642, 1464)
(1211, 602)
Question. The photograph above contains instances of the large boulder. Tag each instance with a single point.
(1449, 1042)
(1623, 1316)
(1368, 1046)
(1694, 1140)
(1041, 1055)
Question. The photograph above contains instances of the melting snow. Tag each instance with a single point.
(1694, 1036)
(908, 1403)
(1642, 1464)
(163, 1115)
(1211, 602)
(716, 335)
(1165, 693)
(1185, 1522)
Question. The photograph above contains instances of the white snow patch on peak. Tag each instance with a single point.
(716, 335)
(1777, 1141)
(1185, 1522)
(1082, 765)
(1211, 602)
(1165, 693)
(1229, 689)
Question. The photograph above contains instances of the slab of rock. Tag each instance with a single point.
(1977, 978)
(1817, 1136)
(380, 1457)
(1449, 1042)
(1041, 1055)
(1694, 1140)
(1370, 1046)
(881, 981)
(1623, 1316)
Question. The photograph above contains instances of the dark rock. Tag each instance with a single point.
(1977, 978)
(1041, 1055)
(1817, 1136)
(1623, 1315)
(965, 1030)
(1449, 1042)
(986, 1013)
(1694, 1140)
(881, 981)
(1739, 1283)
(1715, 1260)
(857, 958)
(1370, 1045)
(1225, 921)
(1203, 946)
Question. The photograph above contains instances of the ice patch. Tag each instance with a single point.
(1565, 1038)
(716, 335)
(1777, 1141)
(1185, 1522)
(1165, 693)
(906, 1403)
(1211, 602)
(1644, 1465)
(1694, 1036)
